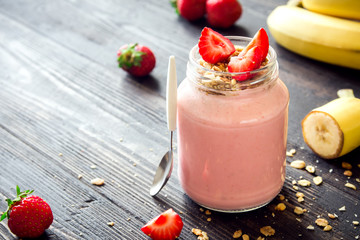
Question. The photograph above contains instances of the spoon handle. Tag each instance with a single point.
(171, 94)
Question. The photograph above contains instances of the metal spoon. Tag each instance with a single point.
(164, 170)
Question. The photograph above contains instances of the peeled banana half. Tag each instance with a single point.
(325, 38)
(333, 129)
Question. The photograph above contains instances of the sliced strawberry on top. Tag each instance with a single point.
(250, 61)
(261, 40)
(167, 225)
(214, 47)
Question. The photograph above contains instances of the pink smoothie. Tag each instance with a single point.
(231, 149)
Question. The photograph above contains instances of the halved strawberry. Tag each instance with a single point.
(214, 47)
(167, 225)
(250, 61)
(261, 40)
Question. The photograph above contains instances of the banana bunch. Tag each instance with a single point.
(333, 129)
(312, 33)
(339, 8)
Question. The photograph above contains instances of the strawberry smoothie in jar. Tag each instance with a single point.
(232, 129)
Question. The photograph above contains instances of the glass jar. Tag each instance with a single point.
(232, 134)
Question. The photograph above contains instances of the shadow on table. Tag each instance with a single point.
(147, 81)
(234, 30)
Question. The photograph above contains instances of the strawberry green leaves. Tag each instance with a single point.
(19, 196)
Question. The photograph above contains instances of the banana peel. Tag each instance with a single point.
(321, 37)
(333, 129)
(339, 8)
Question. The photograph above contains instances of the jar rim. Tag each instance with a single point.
(271, 57)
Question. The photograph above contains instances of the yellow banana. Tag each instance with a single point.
(333, 129)
(317, 36)
(338, 8)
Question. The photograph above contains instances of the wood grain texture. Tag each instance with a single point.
(62, 92)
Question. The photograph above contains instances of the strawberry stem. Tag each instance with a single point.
(11, 203)
(174, 5)
(130, 57)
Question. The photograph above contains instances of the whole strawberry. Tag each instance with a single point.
(28, 216)
(136, 59)
(223, 13)
(190, 9)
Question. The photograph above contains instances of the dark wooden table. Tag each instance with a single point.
(65, 107)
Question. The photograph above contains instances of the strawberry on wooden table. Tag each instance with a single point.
(223, 13)
(214, 47)
(190, 9)
(136, 59)
(28, 216)
(167, 225)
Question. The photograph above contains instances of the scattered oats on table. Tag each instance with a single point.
(97, 181)
(208, 219)
(310, 227)
(310, 169)
(348, 173)
(342, 209)
(267, 231)
(301, 199)
(201, 235)
(350, 185)
(280, 207)
(111, 224)
(299, 210)
(237, 234)
(356, 223)
(290, 153)
(80, 176)
(304, 183)
(299, 194)
(346, 165)
(317, 180)
(327, 228)
(207, 212)
(332, 216)
(281, 197)
(245, 237)
(321, 222)
(299, 164)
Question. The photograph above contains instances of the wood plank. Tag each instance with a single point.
(62, 93)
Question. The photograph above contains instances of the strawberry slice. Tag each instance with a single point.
(250, 61)
(261, 40)
(167, 225)
(214, 47)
